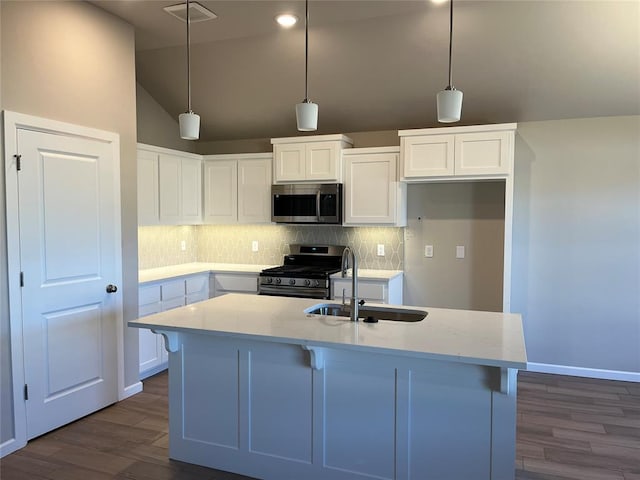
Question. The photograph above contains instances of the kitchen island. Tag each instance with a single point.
(259, 387)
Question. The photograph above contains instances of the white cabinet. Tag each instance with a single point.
(482, 151)
(169, 187)
(148, 193)
(180, 190)
(237, 188)
(234, 283)
(372, 193)
(383, 290)
(159, 297)
(311, 158)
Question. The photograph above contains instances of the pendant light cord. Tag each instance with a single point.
(188, 57)
(450, 42)
(306, 51)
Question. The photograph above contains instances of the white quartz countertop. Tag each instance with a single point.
(163, 273)
(482, 338)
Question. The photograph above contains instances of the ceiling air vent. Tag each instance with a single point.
(197, 12)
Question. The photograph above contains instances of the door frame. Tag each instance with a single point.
(12, 123)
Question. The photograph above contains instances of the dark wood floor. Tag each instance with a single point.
(568, 428)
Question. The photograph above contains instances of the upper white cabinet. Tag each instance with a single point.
(169, 187)
(481, 151)
(373, 194)
(237, 188)
(310, 158)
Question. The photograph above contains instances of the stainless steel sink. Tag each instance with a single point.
(368, 314)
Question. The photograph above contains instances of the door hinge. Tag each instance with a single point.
(26, 391)
(18, 158)
(22, 279)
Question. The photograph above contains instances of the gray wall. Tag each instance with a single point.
(71, 61)
(156, 126)
(446, 215)
(576, 241)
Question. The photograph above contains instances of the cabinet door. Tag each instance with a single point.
(289, 162)
(484, 153)
(197, 288)
(170, 168)
(322, 161)
(427, 156)
(191, 191)
(254, 191)
(372, 291)
(148, 208)
(221, 191)
(370, 188)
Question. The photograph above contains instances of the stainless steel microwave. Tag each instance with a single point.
(306, 203)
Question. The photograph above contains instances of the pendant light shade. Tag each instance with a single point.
(449, 100)
(189, 121)
(307, 116)
(189, 126)
(306, 111)
(449, 105)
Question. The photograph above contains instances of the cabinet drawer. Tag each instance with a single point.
(148, 309)
(366, 291)
(236, 283)
(172, 290)
(173, 303)
(199, 284)
(148, 294)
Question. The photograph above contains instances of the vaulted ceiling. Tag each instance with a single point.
(378, 64)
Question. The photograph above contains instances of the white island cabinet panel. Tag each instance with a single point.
(211, 416)
(280, 404)
(365, 421)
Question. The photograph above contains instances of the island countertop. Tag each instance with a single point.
(481, 338)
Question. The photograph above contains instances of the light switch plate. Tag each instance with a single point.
(459, 251)
(428, 251)
(381, 249)
(183, 245)
(254, 246)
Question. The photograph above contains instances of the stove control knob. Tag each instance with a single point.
(307, 282)
(317, 283)
(269, 280)
(278, 281)
(292, 281)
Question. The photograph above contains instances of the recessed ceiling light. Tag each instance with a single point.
(437, 2)
(286, 20)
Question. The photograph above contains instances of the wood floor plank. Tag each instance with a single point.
(536, 419)
(576, 472)
(620, 440)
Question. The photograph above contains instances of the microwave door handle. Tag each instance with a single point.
(318, 204)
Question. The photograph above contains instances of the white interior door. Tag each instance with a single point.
(69, 255)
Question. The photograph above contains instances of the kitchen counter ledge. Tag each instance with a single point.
(470, 337)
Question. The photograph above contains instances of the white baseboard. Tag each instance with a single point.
(131, 390)
(584, 372)
(10, 446)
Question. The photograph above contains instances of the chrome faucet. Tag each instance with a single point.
(353, 304)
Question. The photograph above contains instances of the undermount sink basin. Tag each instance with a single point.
(367, 313)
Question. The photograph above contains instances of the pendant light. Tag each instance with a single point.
(307, 111)
(449, 100)
(189, 121)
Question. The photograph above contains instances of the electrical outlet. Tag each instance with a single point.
(428, 251)
(459, 251)
(381, 249)
(183, 245)
(254, 246)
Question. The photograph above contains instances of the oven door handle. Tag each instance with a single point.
(318, 204)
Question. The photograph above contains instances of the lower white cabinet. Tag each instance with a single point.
(159, 297)
(371, 290)
(234, 283)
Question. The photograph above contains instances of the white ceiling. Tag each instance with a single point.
(378, 64)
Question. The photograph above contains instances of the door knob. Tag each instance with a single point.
(112, 288)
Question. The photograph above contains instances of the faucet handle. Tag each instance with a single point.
(361, 302)
(343, 290)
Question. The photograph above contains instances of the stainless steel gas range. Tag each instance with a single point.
(305, 273)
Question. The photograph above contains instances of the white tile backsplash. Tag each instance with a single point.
(159, 246)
